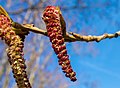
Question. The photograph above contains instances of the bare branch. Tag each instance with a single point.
(91, 38)
(29, 27)
(70, 36)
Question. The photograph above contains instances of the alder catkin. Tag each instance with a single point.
(14, 52)
(51, 17)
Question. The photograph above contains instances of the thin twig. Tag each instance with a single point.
(70, 36)
(91, 38)
(29, 27)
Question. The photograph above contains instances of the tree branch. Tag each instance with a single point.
(69, 37)
(29, 27)
(91, 38)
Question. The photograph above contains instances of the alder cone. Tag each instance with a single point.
(51, 17)
(14, 52)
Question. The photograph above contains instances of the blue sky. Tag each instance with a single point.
(101, 62)
(99, 16)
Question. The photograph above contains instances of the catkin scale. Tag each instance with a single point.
(51, 17)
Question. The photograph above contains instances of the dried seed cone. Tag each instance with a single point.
(14, 52)
(51, 17)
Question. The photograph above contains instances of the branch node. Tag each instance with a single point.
(116, 35)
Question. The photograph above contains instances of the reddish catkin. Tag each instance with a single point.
(14, 52)
(51, 17)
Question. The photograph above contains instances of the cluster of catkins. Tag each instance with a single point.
(51, 17)
(14, 52)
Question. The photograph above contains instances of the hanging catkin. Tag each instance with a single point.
(51, 17)
(14, 52)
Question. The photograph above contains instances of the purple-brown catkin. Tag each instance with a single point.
(51, 17)
(14, 52)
